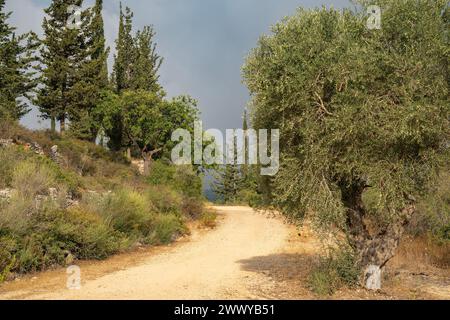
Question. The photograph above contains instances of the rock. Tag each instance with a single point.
(55, 156)
(53, 194)
(6, 143)
(5, 194)
(36, 148)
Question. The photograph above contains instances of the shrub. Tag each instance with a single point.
(126, 211)
(15, 215)
(30, 178)
(338, 269)
(188, 182)
(9, 157)
(8, 248)
(192, 208)
(52, 235)
(161, 174)
(208, 218)
(167, 227)
(165, 199)
(182, 178)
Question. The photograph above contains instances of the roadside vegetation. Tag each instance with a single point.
(103, 183)
(55, 215)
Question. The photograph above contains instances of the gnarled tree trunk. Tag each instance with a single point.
(147, 156)
(374, 250)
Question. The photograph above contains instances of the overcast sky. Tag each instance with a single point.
(203, 42)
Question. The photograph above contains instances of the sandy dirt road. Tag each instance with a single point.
(207, 266)
(248, 255)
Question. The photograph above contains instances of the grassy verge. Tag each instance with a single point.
(111, 209)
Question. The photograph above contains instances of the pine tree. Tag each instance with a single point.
(16, 59)
(93, 79)
(61, 57)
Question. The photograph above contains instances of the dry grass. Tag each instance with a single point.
(421, 253)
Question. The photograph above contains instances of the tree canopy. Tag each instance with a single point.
(17, 81)
(364, 115)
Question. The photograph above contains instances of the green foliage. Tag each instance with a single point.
(146, 120)
(167, 228)
(125, 52)
(92, 78)
(208, 218)
(16, 59)
(39, 237)
(338, 269)
(165, 199)
(357, 109)
(146, 62)
(128, 212)
(61, 55)
(433, 217)
(30, 179)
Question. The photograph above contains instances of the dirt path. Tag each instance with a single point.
(208, 266)
(248, 256)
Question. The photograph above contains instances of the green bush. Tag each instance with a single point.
(188, 182)
(126, 211)
(338, 269)
(161, 174)
(8, 248)
(165, 199)
(9, 157)
(433, 213)
(52, 236)
(30, 178)
(192, 208)
(183, 179)
(167, 227)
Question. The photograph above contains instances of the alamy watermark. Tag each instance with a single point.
(73, 278)
(238, 147)
(374, 20)
(74, 20)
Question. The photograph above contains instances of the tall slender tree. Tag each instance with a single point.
(125, 55)
(16, 59)
(93, 77)
(123, 60)
(136, 68)
(61, 57)
(147, 62)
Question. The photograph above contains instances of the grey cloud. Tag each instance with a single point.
(204, 44)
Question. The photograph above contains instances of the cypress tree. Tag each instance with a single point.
(16, 59)
(229, 181)
(147, 62)
(121, 77)
(125, 55)
(93, 77)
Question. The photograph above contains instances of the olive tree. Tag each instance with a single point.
(364, 117)
(147, 120)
